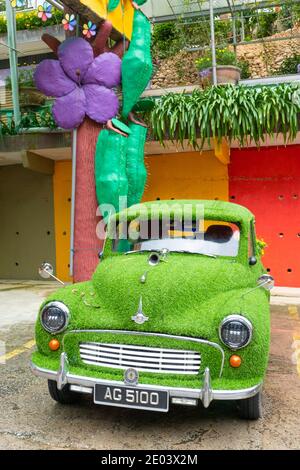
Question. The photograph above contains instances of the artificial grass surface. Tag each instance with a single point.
(187, 296)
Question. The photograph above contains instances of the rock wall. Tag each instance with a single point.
(179, 70)
(264, 59)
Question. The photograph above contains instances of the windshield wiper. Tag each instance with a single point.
(192, 253)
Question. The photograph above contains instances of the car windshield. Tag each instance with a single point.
(208, 237)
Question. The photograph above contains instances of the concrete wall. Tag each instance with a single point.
(27, 236)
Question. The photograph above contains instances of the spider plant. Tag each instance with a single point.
(235, 112)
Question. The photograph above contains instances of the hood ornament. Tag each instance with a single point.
(140, 318)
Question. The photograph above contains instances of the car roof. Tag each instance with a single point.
(213, 209)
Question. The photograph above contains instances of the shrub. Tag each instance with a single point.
(164, 40)
(29, 20)
(289, 65)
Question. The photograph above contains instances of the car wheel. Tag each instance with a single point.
(64, 396)
(250, 408)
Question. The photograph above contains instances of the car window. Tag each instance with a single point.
(216, 238)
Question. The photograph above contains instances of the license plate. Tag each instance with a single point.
(131, 397)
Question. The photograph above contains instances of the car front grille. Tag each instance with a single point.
(123, 356)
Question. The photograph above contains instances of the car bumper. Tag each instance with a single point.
(82, 384)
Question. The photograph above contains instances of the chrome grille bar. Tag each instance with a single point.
(119, 356)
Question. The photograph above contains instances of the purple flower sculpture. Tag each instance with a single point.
(81, 83)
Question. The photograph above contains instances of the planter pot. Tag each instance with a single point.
(30, 96)
(225, 74)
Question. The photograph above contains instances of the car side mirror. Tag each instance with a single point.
(101, 255)
(266, 281)
(46, 272)
(252, 260)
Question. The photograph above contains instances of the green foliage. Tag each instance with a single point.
(164, 40)
(29, 119)
(289, 14)
(244, 65)
(223, 56)
(26, 79)
(29, 20)
(42, 118)
(261, 245)
(289, 65)
(235, 112)
(169, 38)
(7, 128)
(263, 23)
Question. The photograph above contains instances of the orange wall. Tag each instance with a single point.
(62, 182)
(192, 175)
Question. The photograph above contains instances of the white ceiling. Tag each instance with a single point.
(160, 10)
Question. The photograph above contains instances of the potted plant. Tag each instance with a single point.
(229, 69)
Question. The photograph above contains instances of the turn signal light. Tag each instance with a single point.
(54, 344)
(235, 361)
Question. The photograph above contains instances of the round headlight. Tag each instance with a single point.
(55, 317)
(236, 331)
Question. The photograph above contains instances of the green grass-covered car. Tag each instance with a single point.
(176, 312)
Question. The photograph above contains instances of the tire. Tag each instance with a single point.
(64, 396)
(251, 408)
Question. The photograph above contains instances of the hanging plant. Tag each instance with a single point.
(89, 30)
(235, 112)
(44, 11)
(69, 22)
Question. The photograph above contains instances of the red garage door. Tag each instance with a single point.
(267, 181)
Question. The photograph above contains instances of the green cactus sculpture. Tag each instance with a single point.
(119, 162)
(137, 64)
(110, 170)
(135, 166)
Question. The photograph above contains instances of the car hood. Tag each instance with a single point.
(176, 292)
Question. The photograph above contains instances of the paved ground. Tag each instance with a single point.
(29, 419)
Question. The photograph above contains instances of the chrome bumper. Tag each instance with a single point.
(206, 394)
